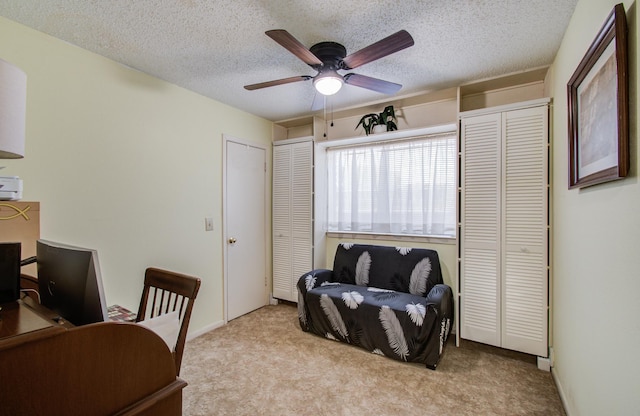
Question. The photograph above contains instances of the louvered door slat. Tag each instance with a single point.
(281, 190)
(302, 192)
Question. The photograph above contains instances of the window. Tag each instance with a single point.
(395, 187)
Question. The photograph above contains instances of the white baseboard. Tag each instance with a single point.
(195, 334)
(563, 397)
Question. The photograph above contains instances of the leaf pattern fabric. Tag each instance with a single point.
(302, 315)
(333, 314)
(377, 289)
(419, 276)
(403, 250)
(352, 299)
(362, 269)
(416, 312)
(394, 332)
(310, 282)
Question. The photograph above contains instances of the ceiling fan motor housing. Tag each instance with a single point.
(330, 53)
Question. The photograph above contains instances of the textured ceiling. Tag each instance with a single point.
(216, 47)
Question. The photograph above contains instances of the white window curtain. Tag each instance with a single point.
(398, 187)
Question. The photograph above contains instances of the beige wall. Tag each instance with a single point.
(596, 265)
(125, 163)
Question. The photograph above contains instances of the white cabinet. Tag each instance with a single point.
(292, 216)
(503, 246)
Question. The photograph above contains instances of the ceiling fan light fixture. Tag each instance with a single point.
(328, 82)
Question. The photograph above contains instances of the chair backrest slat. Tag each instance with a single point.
(174, 288)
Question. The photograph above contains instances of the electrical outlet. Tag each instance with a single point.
(208, 224)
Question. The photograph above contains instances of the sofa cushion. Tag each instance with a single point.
(409, 270)
(391, 323)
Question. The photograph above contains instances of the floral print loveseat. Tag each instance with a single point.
(389, 300)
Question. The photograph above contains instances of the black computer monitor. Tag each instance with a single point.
(9, 272)
(70, 283)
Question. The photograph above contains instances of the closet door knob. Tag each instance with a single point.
(232, 240)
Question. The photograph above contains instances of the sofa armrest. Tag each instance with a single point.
(441, 298)
(307, 282)
(313, 279)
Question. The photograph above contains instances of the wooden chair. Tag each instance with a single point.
(165, 291)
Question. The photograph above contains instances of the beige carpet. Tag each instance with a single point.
(263, 364)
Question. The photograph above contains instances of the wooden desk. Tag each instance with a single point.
(106, 368)
(20, 322)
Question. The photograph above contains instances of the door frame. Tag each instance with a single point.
(225, 140)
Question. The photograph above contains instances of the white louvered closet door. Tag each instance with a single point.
(281, 221)
(525, 202)
(504, 229)
(480, 234)
(292, 216)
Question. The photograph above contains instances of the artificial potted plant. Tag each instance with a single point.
(386, 118)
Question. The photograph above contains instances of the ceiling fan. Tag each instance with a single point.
(330, 57)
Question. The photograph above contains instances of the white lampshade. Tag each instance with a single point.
(328, 82)
(13, 109)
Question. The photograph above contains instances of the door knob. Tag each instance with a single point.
(232, 240)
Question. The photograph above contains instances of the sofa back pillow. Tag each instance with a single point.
(409, 270)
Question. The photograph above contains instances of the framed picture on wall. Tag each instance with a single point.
(598, 101)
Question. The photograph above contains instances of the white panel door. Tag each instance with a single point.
(245, 206)
(480, 233)
(524, 284)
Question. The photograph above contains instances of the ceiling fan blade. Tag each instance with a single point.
(373, 84)
(277, 82)
(292, 44)
(391, 44)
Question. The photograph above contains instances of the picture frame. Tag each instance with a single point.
(598, 106)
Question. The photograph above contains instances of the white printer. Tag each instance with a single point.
(10, 188)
